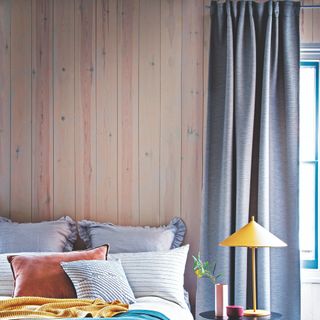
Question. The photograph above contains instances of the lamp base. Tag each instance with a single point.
(257, 313)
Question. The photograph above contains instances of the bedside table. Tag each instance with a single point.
(210, 315)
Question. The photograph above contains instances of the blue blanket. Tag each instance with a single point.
(141, 315)
(134, 315)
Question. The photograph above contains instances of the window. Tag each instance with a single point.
(308, 167)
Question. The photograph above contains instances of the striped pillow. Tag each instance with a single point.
(159, 274)
(97, 279)
(6, 277)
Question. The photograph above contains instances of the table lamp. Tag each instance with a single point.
(253, 236)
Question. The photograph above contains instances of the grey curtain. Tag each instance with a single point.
(252, 151)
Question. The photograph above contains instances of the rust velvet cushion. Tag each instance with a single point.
(43, 276)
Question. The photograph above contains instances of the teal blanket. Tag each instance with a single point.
(141, 315)
(134, 315)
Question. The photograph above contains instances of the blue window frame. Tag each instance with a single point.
(309, 162)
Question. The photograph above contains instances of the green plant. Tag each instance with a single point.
(205, 269)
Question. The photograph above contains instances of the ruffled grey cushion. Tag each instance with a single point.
(133, 239)
(47, 236)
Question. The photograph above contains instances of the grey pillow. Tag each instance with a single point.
(98, 279)
(132, 239)
(49, 236)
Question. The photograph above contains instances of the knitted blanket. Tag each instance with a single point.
(36, 307)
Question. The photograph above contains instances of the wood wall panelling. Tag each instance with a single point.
(170, 119)
(107, 110)
(42, 110)
(306, 23)
(85, 110)
(21, 111)
(149, 112)
(64, 108)
(206, 45)
(5, 46)
(316, 23)
(310, 23)
(128, 111)
(192, 125)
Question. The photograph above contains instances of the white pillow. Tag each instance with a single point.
(159, 274)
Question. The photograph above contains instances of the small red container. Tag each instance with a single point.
(234, 311)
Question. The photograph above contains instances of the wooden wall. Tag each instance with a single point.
(101, 111)
(310, 23)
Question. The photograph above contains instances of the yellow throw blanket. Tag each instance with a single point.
(36, 307)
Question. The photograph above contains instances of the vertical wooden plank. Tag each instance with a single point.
(192, 125)
(306, 23)
(107, 114)
(21, 110)
(128, 112)
(5, 21)
(42, 110)
(64, 115)
(85, 109)
(170, 145)
(206, 49)
(316, 23)
(149, 112)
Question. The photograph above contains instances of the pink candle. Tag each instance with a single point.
(221, 300)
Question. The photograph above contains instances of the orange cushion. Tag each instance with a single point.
(42, 276)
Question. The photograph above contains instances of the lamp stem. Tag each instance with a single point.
(254, 286)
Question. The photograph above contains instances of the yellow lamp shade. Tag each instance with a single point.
(252, 235)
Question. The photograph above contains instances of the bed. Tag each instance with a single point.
(150, 271)
(169, 309)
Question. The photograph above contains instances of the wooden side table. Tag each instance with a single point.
(211, 315)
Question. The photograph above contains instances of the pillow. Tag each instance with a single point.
(42, 276)
(6, 276)
(47, 236)
(104, 280)
(159, 274)
(133, 239)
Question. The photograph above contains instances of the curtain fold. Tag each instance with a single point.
(251, 165)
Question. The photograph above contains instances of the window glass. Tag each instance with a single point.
(308, 113)
(307, 210)
(308, 166)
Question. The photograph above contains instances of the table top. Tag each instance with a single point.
(211, 315)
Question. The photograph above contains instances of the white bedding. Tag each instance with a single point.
(170, 309)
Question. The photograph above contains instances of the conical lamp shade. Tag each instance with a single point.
(252, 235)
